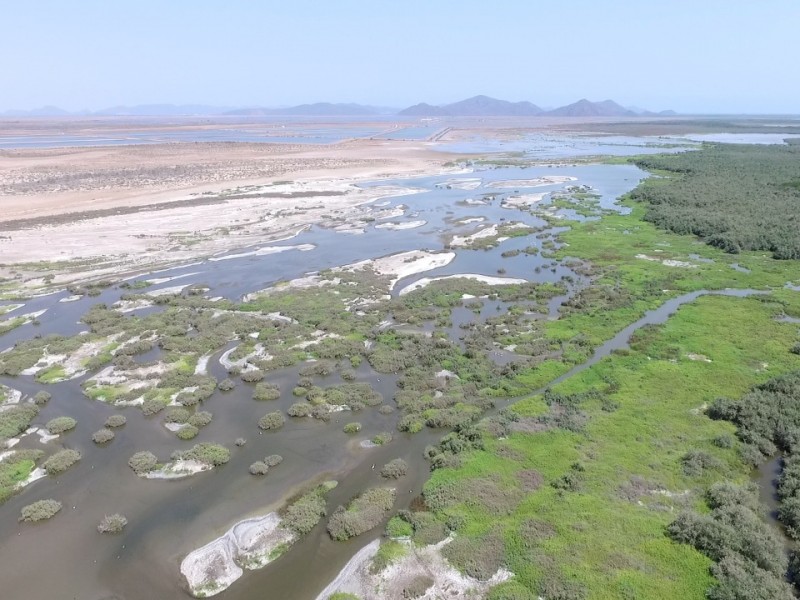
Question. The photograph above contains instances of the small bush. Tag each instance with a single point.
(399, 528)
(61, 461)
(695, 462)
(302, 515)
(299, 391)
(252, 376)
(142, 462)
(273, 420)
(362, 514)
(177, 415)
(210, 454)
(152, 406)
(16, 419)
(259, 468)
(478, 557)
(200, 419)
(41, 397)
(226, 385)
(266, 391)
(102, 436)
(384, 437)
(386, 409)
(60, 425)
(273, 460)
(795, 349)
(112, 524)
(417, 587)
(394, 469)
(299, 409)
(38, 511)
(240, 442)
(116, 421)
(352, 428)
(187, 432)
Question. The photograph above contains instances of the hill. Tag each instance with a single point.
(586, 108)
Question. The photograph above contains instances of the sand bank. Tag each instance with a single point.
(426, 281)
(249, 544)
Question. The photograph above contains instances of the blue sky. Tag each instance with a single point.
(709, 56)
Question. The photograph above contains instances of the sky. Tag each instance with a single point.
(693, 56)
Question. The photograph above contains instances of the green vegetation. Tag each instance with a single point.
(352, 428)
(143, 462)
(102, 436)
(388, 552)
(266, 391)
(116, 421)
(734, 197)
(60, 425)
(39, 511)
(273, 460)
(394, 469)
(112, 523)
(207, 453)
(302, 515)
(379, 439)
(14, 420)
(61, 461)
(259, 468)
(41, 397)
(362, 514)
(15, 469)
(273, 420)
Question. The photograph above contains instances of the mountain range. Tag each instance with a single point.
(477, 106)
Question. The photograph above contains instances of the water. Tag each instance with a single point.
(170, 518)
(741, 138)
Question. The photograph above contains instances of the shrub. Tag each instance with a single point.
(384, 437)
(266, 391)
(210, 454)
(259, 468)
(38, 511)
(352, 428)
(200, 419)
(252, 376)
(302, 515)
(112, 523)
(299, 391)
(479, 557)
(273, 420)
(41, 397)
(394, 469)
(61, 461)
(187, 432)
(273, 460)
(116, 421)
(60, 425)
(142, 462)
(226, 385)
(399, 528)
(510, 590)
(695, 462)
(795, 349)
(343, 596)
(362, 514)
(417, 587)
(386, 409)
(299, 409)
(177, 415)
(102, 436)
(152, 406)
(240, 442)
(16, 419)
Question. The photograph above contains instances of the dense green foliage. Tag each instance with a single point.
(40, 510)
(736, 197)
(362, 514)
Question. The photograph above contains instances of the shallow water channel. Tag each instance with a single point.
(67, 558)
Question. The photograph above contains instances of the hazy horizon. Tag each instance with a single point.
(707, 59)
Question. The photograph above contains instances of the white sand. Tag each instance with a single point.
(73, 298)
(399, 226)
(35, 475)
(259, 352)
(668, 262)
(265, 251)
(522, 201)
(388, 584)
(167, 291)
(468, 183)
(403, 264)
(425, 281)
(178, 469)
(537, 182)
(460, 241)
(125, 306)
(249, 543)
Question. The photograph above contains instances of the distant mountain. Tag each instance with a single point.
(585, 108)
(423, 109)
(319, 109)
(44, 111)
(477, 106)
(161, 110)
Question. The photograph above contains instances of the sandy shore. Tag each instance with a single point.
(249, 543)
(358, 578)
(104, 211)
(426, 281)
